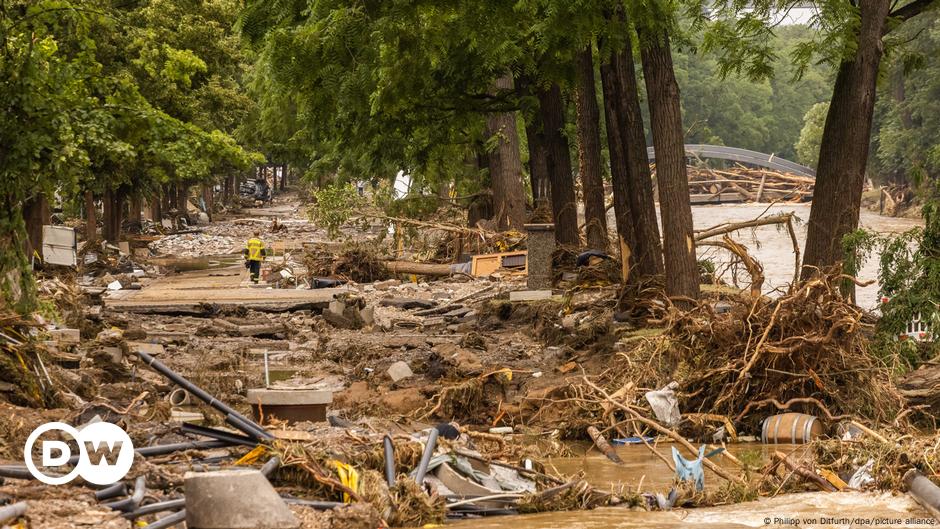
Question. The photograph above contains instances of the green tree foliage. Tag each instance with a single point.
(907, 119)
(97, 95)
(807, 146)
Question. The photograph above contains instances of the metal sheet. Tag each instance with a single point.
(59, 245)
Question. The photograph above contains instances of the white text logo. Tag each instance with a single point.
(106, 453)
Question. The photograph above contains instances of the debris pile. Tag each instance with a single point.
(749, 184)
(196, 245)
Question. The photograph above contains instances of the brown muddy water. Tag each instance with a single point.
(771, 246)
(644, 471)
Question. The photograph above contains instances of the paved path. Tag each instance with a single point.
(200, 291)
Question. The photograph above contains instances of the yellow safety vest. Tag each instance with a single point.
(255, 249)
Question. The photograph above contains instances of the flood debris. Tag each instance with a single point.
(356, 392)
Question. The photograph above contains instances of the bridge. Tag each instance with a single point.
(720, 152)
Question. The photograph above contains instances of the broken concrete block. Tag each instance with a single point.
(152, 349)
(530, 295)
(407, 303)
(65, 335)
(385, 285)
(337, 307)
(235, 499)
(292, 405)
(368, 315)
(398, 371)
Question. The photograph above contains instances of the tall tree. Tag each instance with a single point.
(505, 163)
(589, 152)
(843, 152)
(564, 203)
(682, 277)
(637, 185)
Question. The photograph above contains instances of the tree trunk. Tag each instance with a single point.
(35, 215)
(538, 161)
(182, 198)
(283, 177)
(843, 152)
(505, 164)
(648, 250)
(535, 140)
(564, 204)
(17, 286)
(133, 214)
(626, 226)
(682, 277)
(91, 218)
(107, 215)
(589, 153)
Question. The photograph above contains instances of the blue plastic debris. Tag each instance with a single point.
(632, 440)
(690, 470)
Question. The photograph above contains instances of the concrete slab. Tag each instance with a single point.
(399, 371)
(198, 292)
(530, 295)
(152, 349)
(289, 397)
(235, 499)
(65, 335)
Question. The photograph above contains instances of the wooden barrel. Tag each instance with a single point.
(791, 428)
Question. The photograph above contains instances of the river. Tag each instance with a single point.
(643, 471)
(771, 245)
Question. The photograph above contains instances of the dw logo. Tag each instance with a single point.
(106, 453)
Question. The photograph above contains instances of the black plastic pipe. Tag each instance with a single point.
(219, 435)
(319, 505)
(160, 450)
(118, 489)
(270, 466)
(201, 394)
(426, 456)
(389, 461)
(153, 508)
(132, 502)
(168, 521)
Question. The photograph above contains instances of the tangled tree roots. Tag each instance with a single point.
(357, 262)
(809, 345)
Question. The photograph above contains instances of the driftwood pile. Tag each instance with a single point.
(751, 184)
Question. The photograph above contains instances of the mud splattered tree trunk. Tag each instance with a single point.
(91, 218)
(648, 248)
(35, 215)
(505, 164)
(843, 152)
(564, 204)
(682, 278)
(113, 216)
(589, 153)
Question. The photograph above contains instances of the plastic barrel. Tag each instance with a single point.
(791, 428)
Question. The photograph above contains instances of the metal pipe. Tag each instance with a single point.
(169, 505)
(131, 503)
(389, 461)
(12, 512)
(426, 457)
(168, 521)
(219, 435)
(118, 489)
(270, 466)
(201, 394)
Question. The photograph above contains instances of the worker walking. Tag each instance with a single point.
(254, 253)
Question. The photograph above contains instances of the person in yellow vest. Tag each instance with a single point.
(254, 253)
